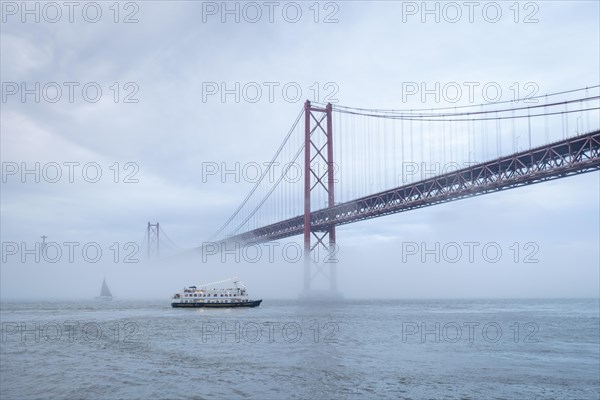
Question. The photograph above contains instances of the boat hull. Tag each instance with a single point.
(254, 303)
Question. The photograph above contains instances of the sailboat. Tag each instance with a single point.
(105, 292)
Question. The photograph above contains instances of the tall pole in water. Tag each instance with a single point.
(43, 244)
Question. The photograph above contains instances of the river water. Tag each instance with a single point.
(352, 349)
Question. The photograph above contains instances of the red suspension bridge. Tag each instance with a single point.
(342, 165)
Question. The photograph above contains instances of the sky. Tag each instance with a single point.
(131, 104)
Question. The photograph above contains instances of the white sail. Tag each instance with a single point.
(105, 292)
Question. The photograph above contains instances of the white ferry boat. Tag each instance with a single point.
(208, 295)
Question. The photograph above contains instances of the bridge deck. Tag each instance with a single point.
(567, 157)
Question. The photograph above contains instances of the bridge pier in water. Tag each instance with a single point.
(318, 137)
(153, 232)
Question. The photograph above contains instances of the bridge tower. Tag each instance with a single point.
(318, 179)
(153, 240)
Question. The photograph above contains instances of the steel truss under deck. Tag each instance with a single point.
(571, 156)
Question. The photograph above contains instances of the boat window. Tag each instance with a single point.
(215, 295)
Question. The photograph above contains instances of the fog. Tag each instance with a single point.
(124, 164)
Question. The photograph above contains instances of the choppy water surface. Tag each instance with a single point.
(468, 349)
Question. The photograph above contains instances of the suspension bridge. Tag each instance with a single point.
(339, 165)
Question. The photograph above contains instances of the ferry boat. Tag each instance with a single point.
(214, 297)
